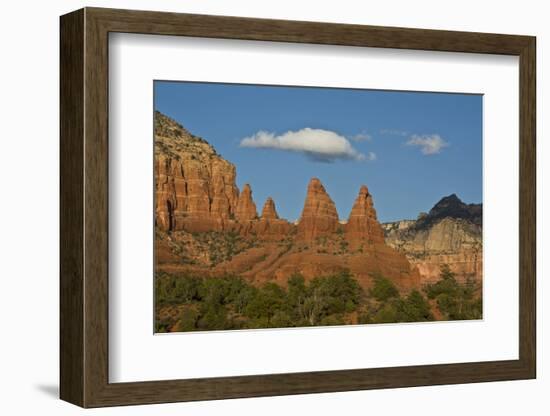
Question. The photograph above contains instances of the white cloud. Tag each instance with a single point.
(430, 144)
(320, 145)
(361, 137)
(394, 132)
(371, 156)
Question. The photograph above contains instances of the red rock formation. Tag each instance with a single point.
(196, 193)
(246, 208)
(195, 187)
(363, 226)
(271, 227)
(269, 212)
(319, 216)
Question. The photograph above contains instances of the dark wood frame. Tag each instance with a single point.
(84, 207)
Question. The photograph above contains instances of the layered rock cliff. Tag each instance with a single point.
(194, 187)
(451, 233)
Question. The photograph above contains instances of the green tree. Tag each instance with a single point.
(188, 320)
(213, 316)
(186, 289)
(323, 297)
(280, 319)
(267, 301)
(175, 289)
(296, 300)
(243, 298)
(415, 308)
(383, 289)
(388, 313)
(454, 300)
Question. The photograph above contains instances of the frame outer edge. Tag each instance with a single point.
(84, 203)
(294, 31)
(71, 336)
(528, 208)
(96, 209)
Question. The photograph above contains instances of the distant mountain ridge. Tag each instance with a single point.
(451, 207)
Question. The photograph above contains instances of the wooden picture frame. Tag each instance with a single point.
(84, 207)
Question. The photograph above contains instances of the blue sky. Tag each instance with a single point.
(409, 148)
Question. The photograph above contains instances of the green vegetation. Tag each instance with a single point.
(231, 303)
(383, 289)
(412, 308)
(455, 301)
(223, 246)
(189, 303)
(385, 305)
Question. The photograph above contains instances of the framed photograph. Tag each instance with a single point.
(255, 207)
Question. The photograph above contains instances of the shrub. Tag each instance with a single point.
(213, 316)
(188, 320)
(266, 302)
(415, 308)
(161, 326)
(176, 289)
(383, 289)
(454, 300)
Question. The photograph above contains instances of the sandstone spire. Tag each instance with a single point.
(363, 225)
(246, 208)
(319, 216)
(271, 227)
(269, 212)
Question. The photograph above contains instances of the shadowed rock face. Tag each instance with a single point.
(451, 207)
(451, 233)
(319, 216)
(206, 226)
(362, 225)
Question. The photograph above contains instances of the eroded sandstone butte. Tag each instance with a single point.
(451, 233)
(194, 187)
(205, 226)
